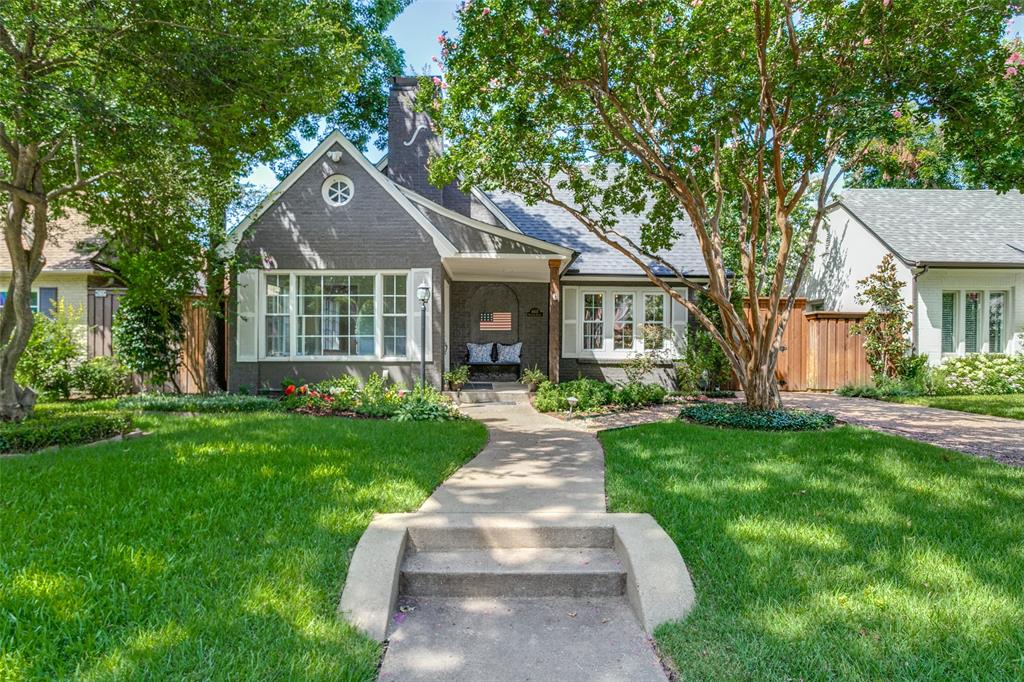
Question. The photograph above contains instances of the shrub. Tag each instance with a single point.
(980, 374)
(720, 394)
(225, 402)
(52, 352)
(377, 398)
(887, 325)
(147, 338)
(740, 417)
(687, 378)
(858, 391)
(637, 394)
(63, 429)
(101, 378)
(457, 378)
(425, 403)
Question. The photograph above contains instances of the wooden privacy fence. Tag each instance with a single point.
(101, 306)
(820, 353)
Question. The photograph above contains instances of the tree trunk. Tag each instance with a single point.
(761, 389)
(216, 266)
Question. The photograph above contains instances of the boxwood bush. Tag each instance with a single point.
(740, 417)
(225, 402)
(71, 428)
(593, 395)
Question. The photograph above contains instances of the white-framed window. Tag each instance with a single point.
(33, 301)
(335, 315)
(593, 320)
(278, 315)
(624, 329)
(395, 314)
(614, 323)
(974, 321)
(337, 190)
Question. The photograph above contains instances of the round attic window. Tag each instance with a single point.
(337, 190)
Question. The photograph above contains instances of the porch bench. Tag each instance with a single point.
(493, 364)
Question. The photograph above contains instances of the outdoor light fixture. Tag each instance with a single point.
(572, 400)
(423, 295)
(335, 155)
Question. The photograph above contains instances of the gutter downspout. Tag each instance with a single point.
(913, 295)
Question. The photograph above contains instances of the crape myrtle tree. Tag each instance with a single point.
(92, 91)
(738, 116)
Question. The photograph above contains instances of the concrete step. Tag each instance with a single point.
(487, 396)
(519, 572)
(510, 535)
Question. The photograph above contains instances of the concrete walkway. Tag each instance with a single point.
(995, 437)
(533, 466)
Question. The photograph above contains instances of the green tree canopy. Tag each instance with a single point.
(737, 116)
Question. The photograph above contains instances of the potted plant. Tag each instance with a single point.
(532, 378)
(457, 377)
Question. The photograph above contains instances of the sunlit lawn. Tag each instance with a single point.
(215, 548)
(841, 555)
(1011, 406)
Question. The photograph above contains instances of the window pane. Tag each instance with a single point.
(948, 322)
(278, 335)
(622, 339)
(971, 306)
(996, 303)
(593, 321)
(310, 286)
(654, 308)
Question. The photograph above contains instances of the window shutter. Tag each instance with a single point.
(418, 276)
(247, 315)
(570, 324)
(679, 321)
(47, 300)
(948, 320)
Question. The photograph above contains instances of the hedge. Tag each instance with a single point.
(225, 402)
(62, 429)
(740, 417)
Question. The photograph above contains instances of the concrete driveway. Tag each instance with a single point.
(994, 437)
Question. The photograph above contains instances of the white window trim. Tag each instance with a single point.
(378, 316)
(325, 189)
(960, 320)
(608, 351)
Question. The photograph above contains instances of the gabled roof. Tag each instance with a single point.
(70, 247)
(943, 227)
(554, 224)
(444, 247)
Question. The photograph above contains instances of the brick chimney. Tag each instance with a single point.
(411, 139)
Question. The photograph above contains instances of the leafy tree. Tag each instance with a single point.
(737, 116)
(887, 325)
(148, 337)
(89, 92)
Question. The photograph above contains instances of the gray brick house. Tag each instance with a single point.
(341, 246)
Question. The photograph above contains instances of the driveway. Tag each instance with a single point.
(994, 437)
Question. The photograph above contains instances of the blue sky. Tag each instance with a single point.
(415, 31)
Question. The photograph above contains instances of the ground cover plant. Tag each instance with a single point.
(847, 554)
(215, 548)
(742, 417)
(224, 402)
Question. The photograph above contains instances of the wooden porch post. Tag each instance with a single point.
(554, 319)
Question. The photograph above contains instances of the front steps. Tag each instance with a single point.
(610, 559)
(507, 393)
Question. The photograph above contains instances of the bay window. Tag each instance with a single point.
(654, 320)
(610, 323)
(335, 315)
(593, 321)
(622, 339)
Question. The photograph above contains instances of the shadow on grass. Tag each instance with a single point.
(846, 553)
(215, 548)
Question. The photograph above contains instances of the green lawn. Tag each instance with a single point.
(215, 548)
(1011, 406)
(840, 555)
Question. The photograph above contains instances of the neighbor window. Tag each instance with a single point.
(972, 310)
(622, 338)
(33, 301)
(948, 322)
(996, 312)
(593, 321)
(336, 315)
(394, 315)
(278, 315)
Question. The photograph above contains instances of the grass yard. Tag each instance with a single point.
(847, 554)
(215, 548)
(1011, 406)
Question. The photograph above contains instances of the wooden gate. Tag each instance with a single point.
(101, 306)
(834, 355)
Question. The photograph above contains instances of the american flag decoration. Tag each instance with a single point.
(495, 322)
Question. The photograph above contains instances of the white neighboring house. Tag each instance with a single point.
(960, 254)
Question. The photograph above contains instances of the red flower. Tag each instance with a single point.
(288, 390)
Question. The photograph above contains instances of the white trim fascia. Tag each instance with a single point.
(10, 273)
(495, 211)
(510, 256)
(484, 227)
(624, 279)
(382, 163)
(441, 243)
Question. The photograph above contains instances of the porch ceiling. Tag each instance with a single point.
(500, 267)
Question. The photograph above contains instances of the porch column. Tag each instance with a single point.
(554, 319)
